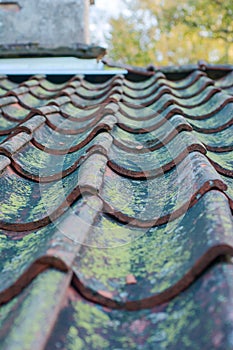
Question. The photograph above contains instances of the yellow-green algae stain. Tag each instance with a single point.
(15, 110)
(15, 193)
(88, 319)
(158, 257)
(188, 322)
(17, 255)
(34, 310)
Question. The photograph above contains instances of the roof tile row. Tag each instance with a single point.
(143, 169)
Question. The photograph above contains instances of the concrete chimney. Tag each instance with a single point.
(48, 23)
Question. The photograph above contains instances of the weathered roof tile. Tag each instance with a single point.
(120, 193)
(168, 258)
(168, 326)
(156, 200)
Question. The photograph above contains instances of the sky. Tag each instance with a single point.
(99, 17)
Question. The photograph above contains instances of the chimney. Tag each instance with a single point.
(46, 23)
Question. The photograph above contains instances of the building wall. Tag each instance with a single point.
(51, 23)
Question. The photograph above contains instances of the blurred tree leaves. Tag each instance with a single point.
(173, 32)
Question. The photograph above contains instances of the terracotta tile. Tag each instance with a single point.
(152, 140)
(199, 318)
(56, 142)
(41, 93)
(144, 120)
(154, 163)
(36, 309)
(161, 93)
(229, 90)
(226, 81)
(110, 184)
(223, 162)
(220, 141)
(218, 121)
(156, 200)
(169, 256)
(188, 92)
(69, 110)
(25, 254)
(15, 111)
(42, 166)
(26, 205)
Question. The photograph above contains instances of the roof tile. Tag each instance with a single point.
(169, 257)
(156, 200)
(126, 188)
(167, 326)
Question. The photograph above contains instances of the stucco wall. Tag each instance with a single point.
(51, 23)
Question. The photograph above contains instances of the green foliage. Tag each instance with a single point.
(173, 32)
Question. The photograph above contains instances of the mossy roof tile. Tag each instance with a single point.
(120, 214)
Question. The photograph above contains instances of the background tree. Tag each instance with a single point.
(173, 32)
